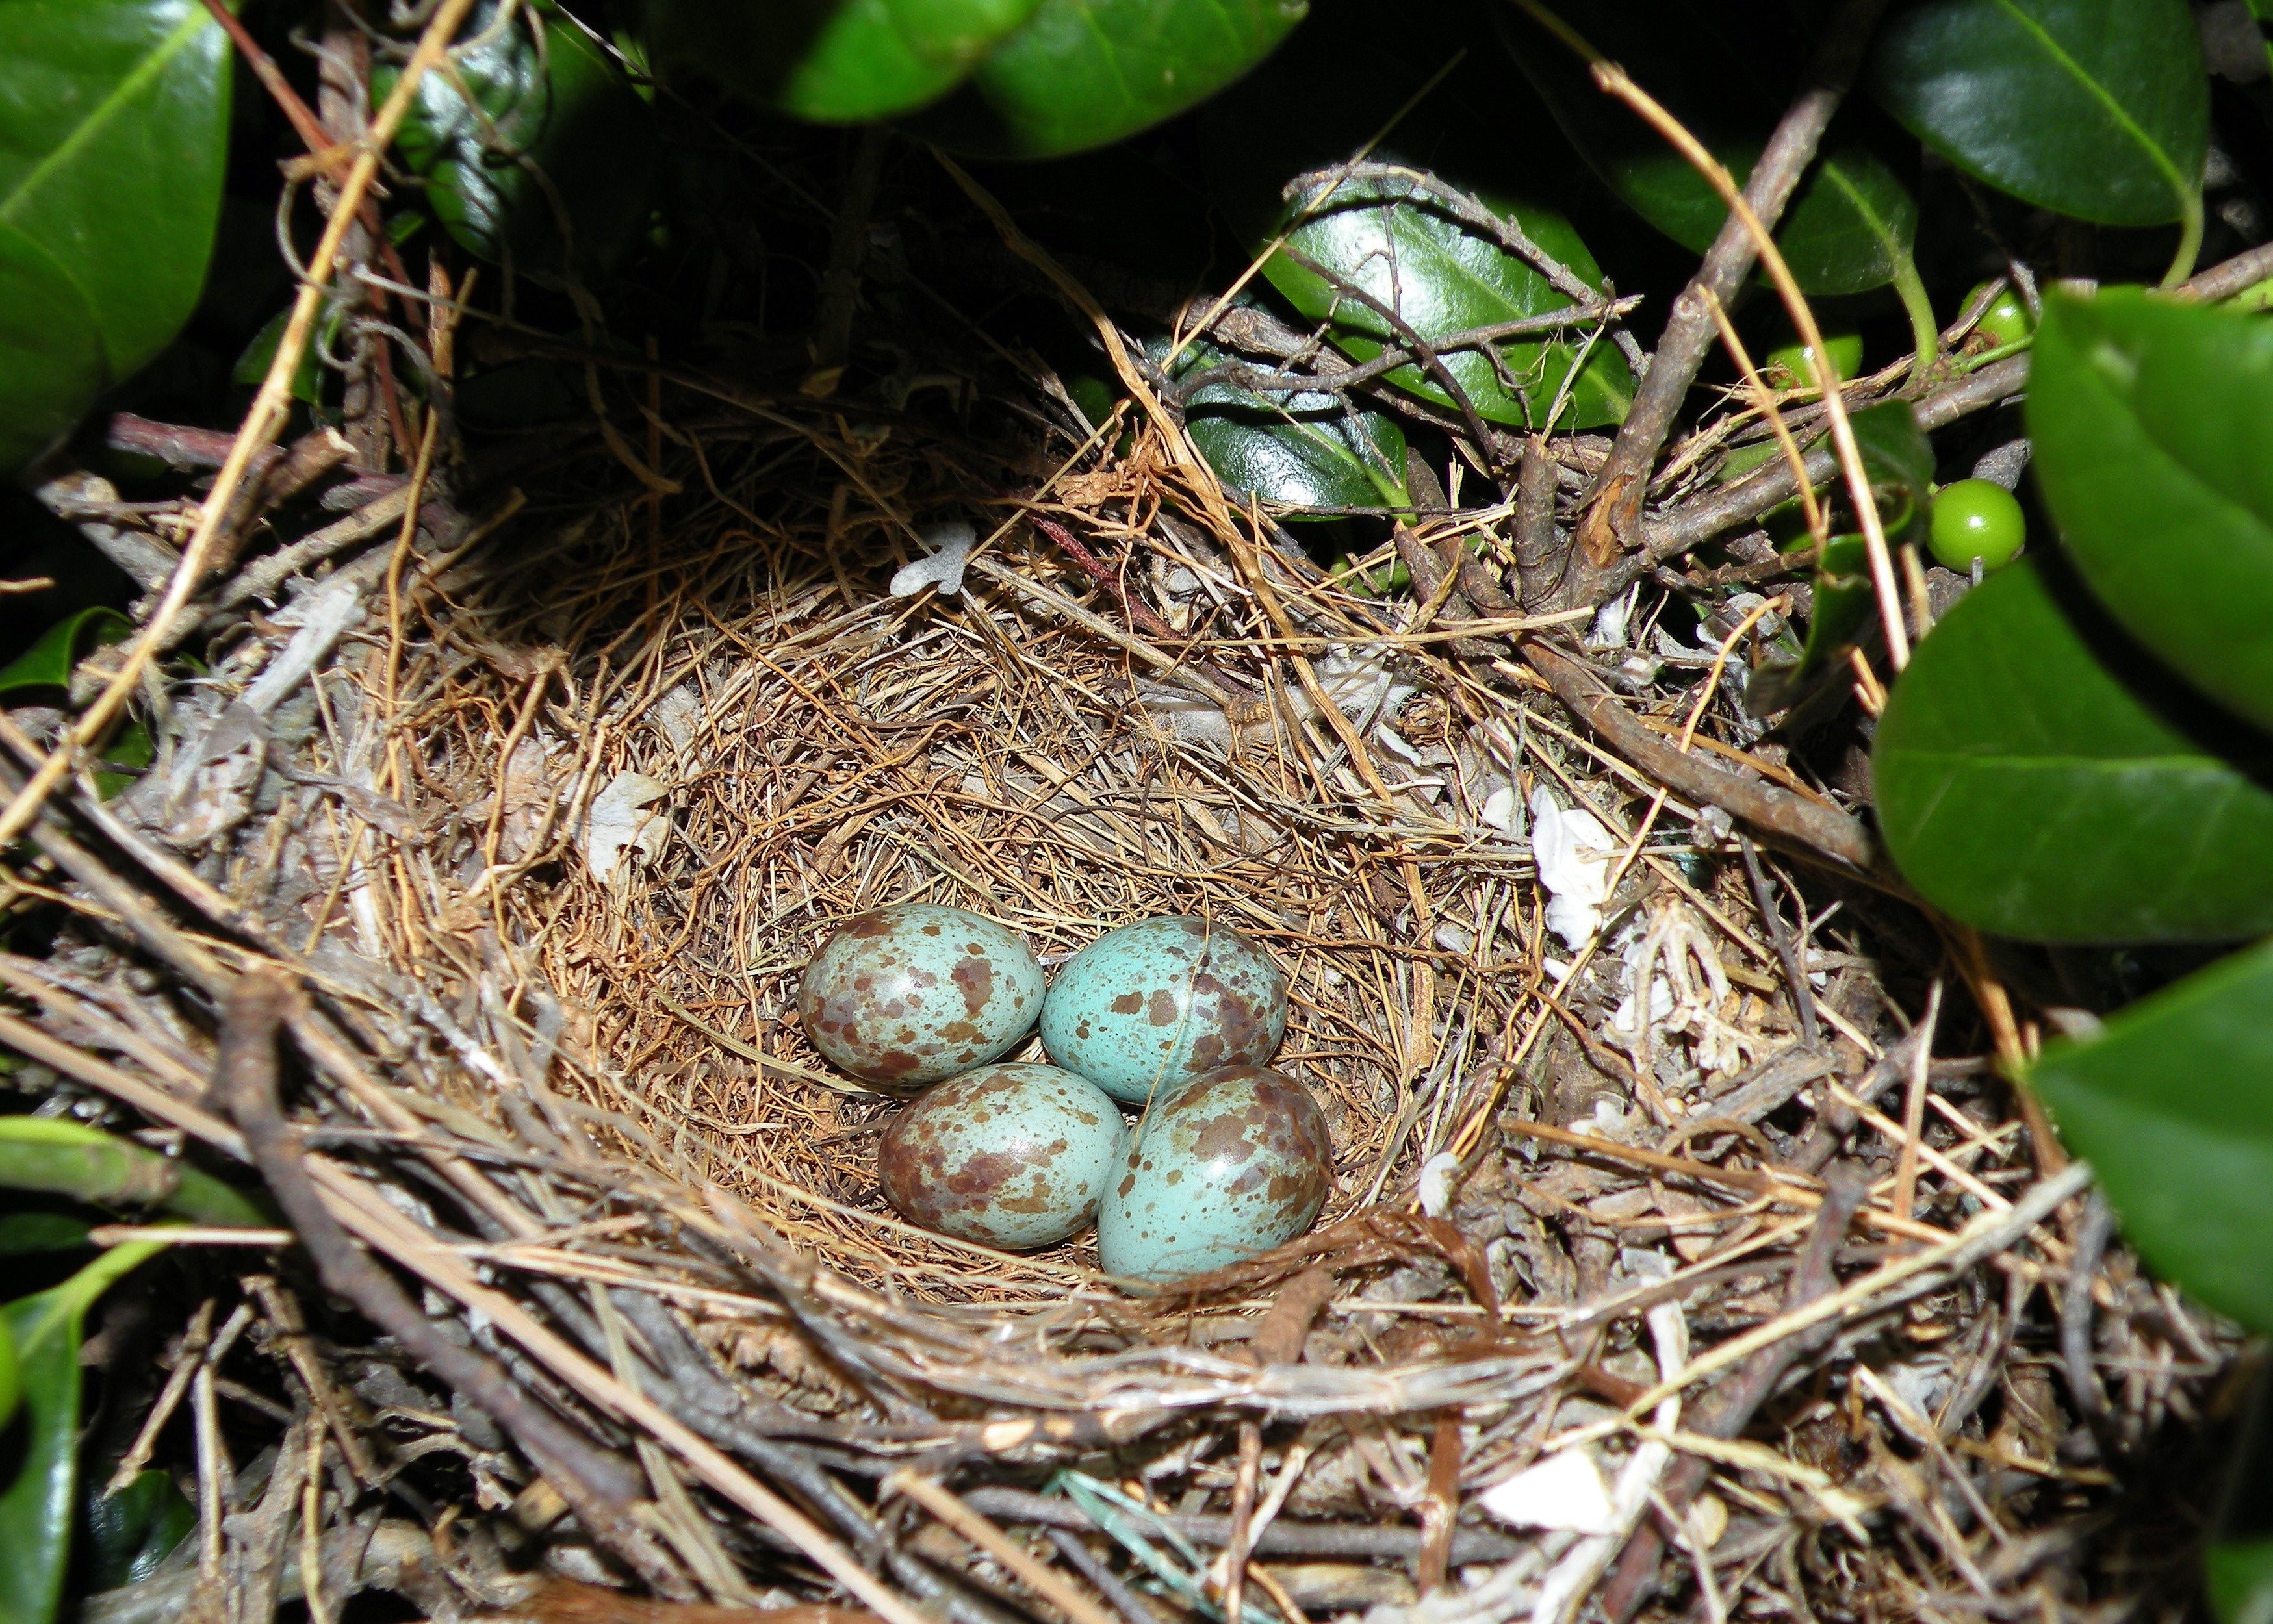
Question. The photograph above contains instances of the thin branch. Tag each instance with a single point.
(600, 1489)
(1730, 1408)
(1614, 513)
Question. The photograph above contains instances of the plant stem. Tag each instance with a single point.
(2190, 241)
(1925, 332)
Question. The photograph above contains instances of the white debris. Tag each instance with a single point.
(1613, 619)
(677, 715)
(1574, 853)
(620, 821)
(950, 545)
(1502, 809)
(1677, 985)
(1564, 1491)
(1360, 684)
(1437, 1183)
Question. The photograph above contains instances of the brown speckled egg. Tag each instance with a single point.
(1008, 1155)
(1230, 1163)
(1138, 1011)
(906, 995)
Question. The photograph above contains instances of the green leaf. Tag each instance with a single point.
(1442, 278)
(1294, 451)
(835, 61)
(51, 365)
(2239, 1575)
(2028, 789)
(49, 663)
(114, 130)
(11, 1376)
(1080, 73)
(1846, 606)
(25, 1233)
(1851, 224)
(128, 1533)
(2153, 428)
(69, 1158)
(2097, 108)
(1900, 460)
(2173, 1106)
(252, 364)
(38, 1504)
(533, 145)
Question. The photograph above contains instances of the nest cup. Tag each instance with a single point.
(706, 750)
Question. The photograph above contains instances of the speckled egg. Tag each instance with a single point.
(1230, 1163)
(1008, 1155)
(1140, 1010)
(909, 994)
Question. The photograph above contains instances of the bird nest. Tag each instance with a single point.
(521, 832)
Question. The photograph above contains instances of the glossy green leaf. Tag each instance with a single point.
(253, 362)
(1440, 278)
(12, 1374)
(1900, 460)
(2172, 1104)
(2026, 788)
(128, 1533)
(39, 1501)
(533, 146)
(1080, 73)
(114, 127)
(1846, 608)
(69, 1158)
(47, 664)
(51, 364)
(24, 1233)
(1294, 450)
(2240, 1576)
(1851, 224)
(2153, 429)
(835, 61)
(2097, 108)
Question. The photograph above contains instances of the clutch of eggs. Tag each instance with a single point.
(1176, 1013)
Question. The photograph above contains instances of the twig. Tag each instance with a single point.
(1331, 377)
(267, 414)
(1047, 1581)
(2091, 1238)
(1350, 1541)
(1988, 1233)
(1095, 568)
(600, 1489)
(1085, 1562)
(1709, 515)
(1906, 1163)
(1614, 512)
(1431, 362)
(1793, 819)
(1731, 1409)
(1795, 973)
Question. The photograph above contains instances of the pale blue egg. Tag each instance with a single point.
(1013, 1156)
(914, 992)
(1224, 1166)
(1140, 1010)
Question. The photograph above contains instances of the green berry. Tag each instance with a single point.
(1973, 518)
(1789, 367)
(2006, 320)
